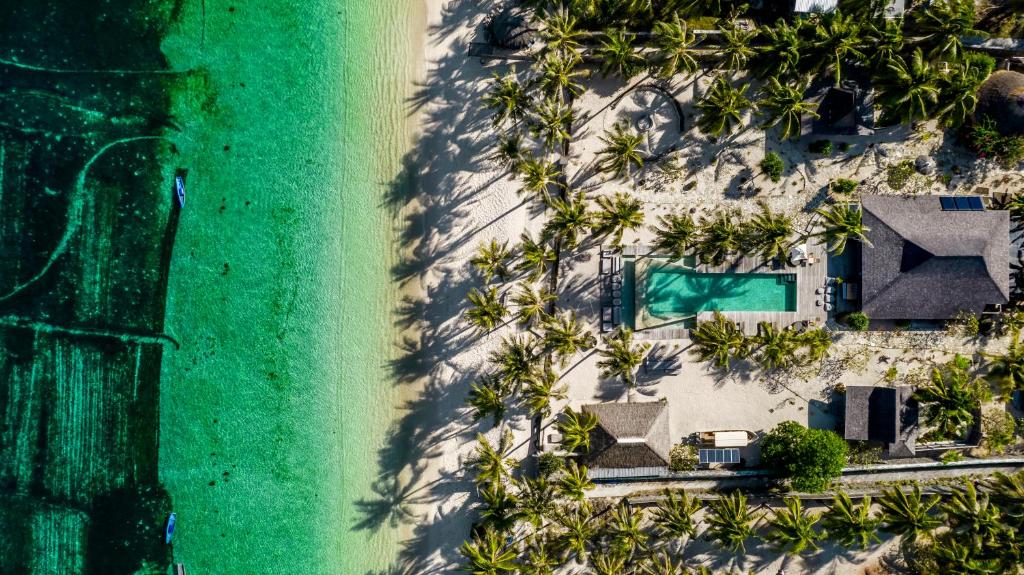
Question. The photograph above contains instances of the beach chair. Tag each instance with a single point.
(605, 266)
(616, 316)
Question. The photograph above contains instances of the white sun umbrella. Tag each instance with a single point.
(798, 253)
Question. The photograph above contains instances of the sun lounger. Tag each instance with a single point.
(616, 316)
(605, 266)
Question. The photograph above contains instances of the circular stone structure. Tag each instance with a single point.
(511, 29)
(1001, 98)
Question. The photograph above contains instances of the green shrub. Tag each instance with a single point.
(772, 166)
(965, 324)
(857, 320)
(891, 374)
(951, 456)
(864, 453)
(998, 430)
(898, 175)
(682, 458)
(549, 464)
(810, 458)
(844, 146)
(823, 147)
(986, 140)
(844, 186)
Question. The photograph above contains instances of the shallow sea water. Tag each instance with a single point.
(274, 412)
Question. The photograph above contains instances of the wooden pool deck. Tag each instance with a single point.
(809, 278)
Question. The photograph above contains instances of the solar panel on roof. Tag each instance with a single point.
(728, 455)
(962, 204)
(947, 203)
(975, 203)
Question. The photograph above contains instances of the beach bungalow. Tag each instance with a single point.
(846, 109)
(886, 415)
(631, 441)
(931, 257)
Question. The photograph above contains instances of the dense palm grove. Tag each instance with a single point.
(536, 523)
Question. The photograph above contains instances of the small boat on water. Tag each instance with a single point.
(171, 520)
(179, 569)
(179, 189)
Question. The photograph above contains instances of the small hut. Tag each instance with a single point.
(511, 29)
(1001, 98)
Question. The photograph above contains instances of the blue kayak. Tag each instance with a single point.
(179, 190)
(170, 528)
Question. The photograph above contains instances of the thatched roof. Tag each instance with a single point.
(511, 29)
(928, 263)
(884, 414)
(1001, 98)
(629, 435)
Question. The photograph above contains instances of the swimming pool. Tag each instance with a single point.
(673, 291)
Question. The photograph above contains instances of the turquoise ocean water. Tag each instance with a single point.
(274, 411)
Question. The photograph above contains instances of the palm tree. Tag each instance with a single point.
(841, 224)
(815, 343)
(783, 105)
(491, 260)
(953, 557)
(541, 391)
(487, 398)
(950, 398)
(908, 514)
(618, 213)
(837, 40)
(719, 341)
(488, 555)
(736, 49)
(531, 304)
(608, 562)
(908, 90)
(487, 311)
(675, 235)
(510, 152)
(551, 122)
(886, 40)
(507, 99)
(776, 347)
(575, 482)
(491, 462)
(624, 525)
(575, 427)
(621, 358)
(722, 107)
(536, 257)
(577, 530)
(792, 528)
(569, 220)
(536, 500)
(850, 524)
(946, 22)
(540, 558)
(730, 522)
(768, 233)
(516, 361)
(780, 55)
(970, 514)
(501, 508)
(620, 153)
(1006, 370)
(675, 48)
(673, 518)
(564, 337)
(719, 238)
(662, 564)
(560, 32)
(559, 77)
(958, 94)
(618, 55)
(1008, 493)
(538, 177)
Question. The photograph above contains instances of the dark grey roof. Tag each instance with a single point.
(842, 110)
(510, 28)
(926, 263)
(1001, 98)
(885, 414)
(629, 435)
